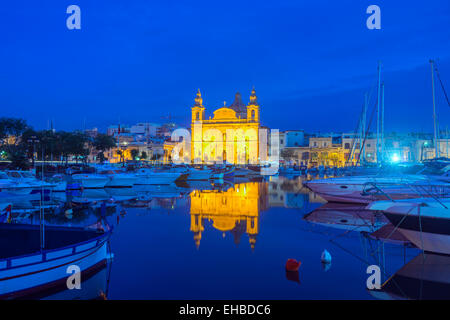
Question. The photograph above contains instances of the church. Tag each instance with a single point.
(231, 135)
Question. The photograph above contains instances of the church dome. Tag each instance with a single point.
(225, 113)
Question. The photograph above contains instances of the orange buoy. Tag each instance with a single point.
(292, 265)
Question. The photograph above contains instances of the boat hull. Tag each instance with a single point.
(116, 182)
(24, 275)
(88, 182)
(427, 233)
(157, 178)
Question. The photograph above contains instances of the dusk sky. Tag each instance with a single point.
(142, 61)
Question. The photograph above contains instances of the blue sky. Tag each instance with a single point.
(310, 61)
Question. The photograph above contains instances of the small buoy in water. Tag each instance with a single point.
(292, 265)
(326, 257)
(118, 218)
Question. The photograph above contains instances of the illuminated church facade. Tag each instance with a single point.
(230, 136)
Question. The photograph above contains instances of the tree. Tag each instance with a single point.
(11, 142)
(144, 155)
(75, 144)
(101, 157)
(120, 154)
(12, 127)
(103, 142)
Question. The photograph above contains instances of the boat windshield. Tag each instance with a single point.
(27, 175)
(14, 175)
(3, 176)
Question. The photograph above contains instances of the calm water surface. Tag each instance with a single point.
(232, 240)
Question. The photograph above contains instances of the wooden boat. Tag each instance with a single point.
(27, 267)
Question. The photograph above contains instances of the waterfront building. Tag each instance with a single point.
(292, 138)
(231, 135)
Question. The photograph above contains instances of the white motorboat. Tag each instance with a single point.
(118, 178)
(146, 176)
(354, 189)
(14, 188)
(91, 180)
(26, 177)
(423, 221)
(205, 173)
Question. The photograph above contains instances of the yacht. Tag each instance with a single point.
(118, 178)
(14, 188)
(423, 221)
(147, 176)
(28, 178)
(364, 189)
(90, 180)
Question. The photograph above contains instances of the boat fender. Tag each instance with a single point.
(326, 257)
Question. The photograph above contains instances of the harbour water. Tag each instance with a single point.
(232, 241)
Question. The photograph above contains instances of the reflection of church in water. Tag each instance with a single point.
(235, 210)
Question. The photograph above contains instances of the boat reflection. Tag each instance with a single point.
(346, 217)
(426, 277)
(94, 286)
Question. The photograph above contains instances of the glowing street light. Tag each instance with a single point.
(395, 158)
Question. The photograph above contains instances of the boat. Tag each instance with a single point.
(248, 172)
(146, 176)
(423, 221)
(425, 277)
(11, 187)
(90, 180)
(356, 189)
(118, 178)
(28, 267)
(202, 173)
(27, 178)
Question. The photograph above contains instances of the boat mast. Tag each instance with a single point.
(436, 147)
(41, 209)
(382, 121)
(378, 112)
(363, 145)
